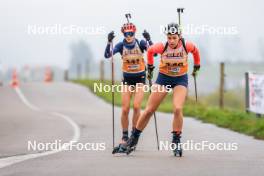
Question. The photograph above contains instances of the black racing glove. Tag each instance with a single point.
(150, 69)
(111, 36)
(146, 35)
(196, 68)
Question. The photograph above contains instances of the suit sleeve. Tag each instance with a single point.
(144, 45)
(191, 48)
(117, 49)
(154, 49)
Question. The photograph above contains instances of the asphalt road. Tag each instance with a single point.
(68, 112)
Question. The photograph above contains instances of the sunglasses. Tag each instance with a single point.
(131, 34)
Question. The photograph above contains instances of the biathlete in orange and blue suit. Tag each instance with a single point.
(173, 68)
(134, 72)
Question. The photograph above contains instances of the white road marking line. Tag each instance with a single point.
(4, 162)
(76, 128)
(25, 101)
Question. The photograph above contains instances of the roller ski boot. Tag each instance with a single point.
(131, 144)
(121, 148)
(176, 140)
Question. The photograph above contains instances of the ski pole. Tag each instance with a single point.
(195, 86)
(113, 95)
(155, 119)
(180, 10)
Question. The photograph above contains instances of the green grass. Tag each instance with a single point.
(236, 120)
(233, 99)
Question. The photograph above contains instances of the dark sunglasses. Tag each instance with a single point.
(131, 34)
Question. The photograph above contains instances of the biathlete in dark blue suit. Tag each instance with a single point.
(134, 74)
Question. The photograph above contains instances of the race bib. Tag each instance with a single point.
(133, 67)
(175, 70)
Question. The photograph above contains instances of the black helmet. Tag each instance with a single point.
(172, 28)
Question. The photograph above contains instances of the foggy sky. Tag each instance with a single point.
(17, 47)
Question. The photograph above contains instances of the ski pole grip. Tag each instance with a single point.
(180, 10)
(128, 16)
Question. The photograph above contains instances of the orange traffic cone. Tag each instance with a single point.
(48, 75)
(14, 81)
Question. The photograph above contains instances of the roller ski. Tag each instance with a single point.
(121, 148)
(177, 142)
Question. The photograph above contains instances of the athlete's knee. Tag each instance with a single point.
(136, 107)
(125, 111)
(149, 111)
(177, 111)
